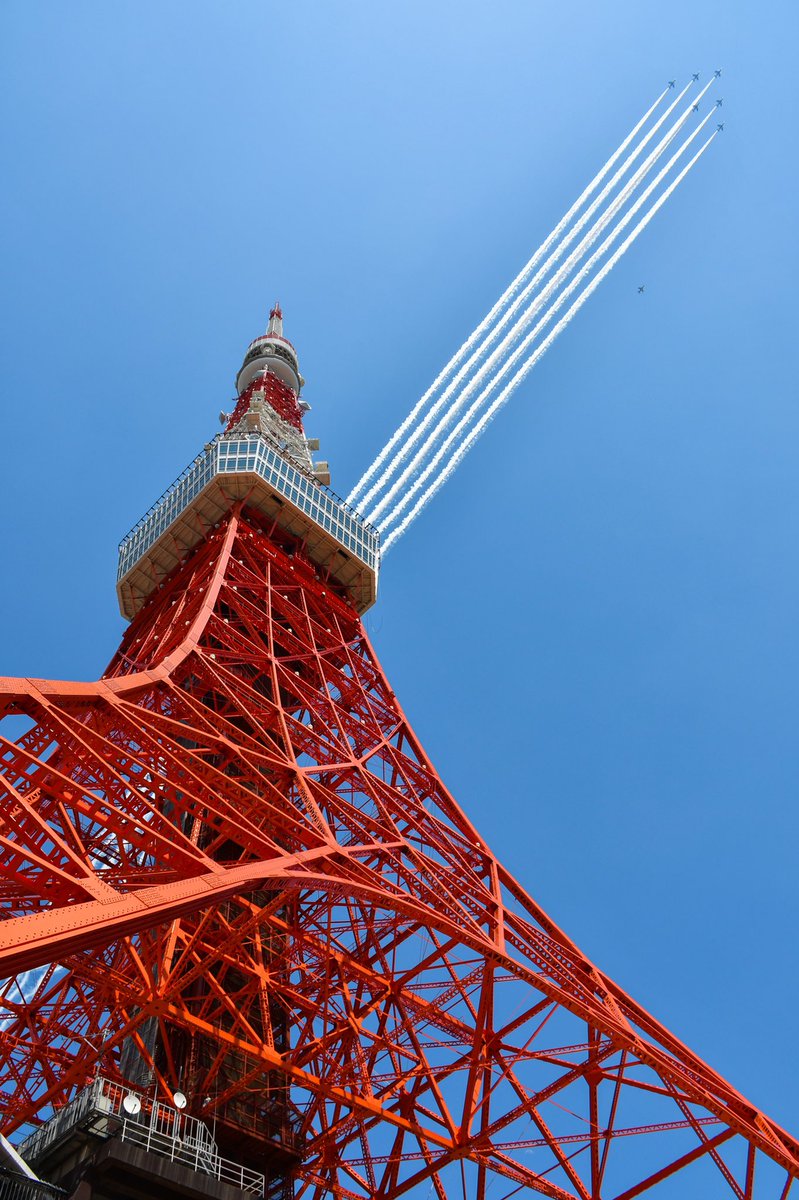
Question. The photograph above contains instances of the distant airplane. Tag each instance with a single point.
(672, 82)
(717, 74)
(696, 77)
(719, 102)
(641, 289)
(694, 108)
(720, 127)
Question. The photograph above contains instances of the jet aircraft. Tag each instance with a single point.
(719, 102)
(720, 127)
(694, 108)
(641, 289)
(672, 83)
(696, 77)
(717, 74)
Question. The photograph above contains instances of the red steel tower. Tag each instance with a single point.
(240, 900)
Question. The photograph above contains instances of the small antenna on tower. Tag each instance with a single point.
(275, 325)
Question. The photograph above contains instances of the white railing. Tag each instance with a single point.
(252, 454)
(100, 1109)
(88, 1107)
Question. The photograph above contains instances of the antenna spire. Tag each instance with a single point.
(275, 325)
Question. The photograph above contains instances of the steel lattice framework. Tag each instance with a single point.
(230, 860)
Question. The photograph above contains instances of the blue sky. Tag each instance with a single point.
(593, 627)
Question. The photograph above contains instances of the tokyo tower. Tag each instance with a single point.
(252, 946)
(240, 902)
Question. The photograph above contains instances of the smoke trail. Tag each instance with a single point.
(525, 345)
(405, 449)
(551, 311)
(506, 295)
(523, 371)
(523, 321)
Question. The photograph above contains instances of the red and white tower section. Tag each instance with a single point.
(263, 458)
(268, 388)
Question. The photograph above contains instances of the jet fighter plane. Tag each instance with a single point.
(641, 289)
(720, 127)
(672, 83)
(717, 74)
(695, 77)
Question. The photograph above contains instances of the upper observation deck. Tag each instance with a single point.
(248, 467)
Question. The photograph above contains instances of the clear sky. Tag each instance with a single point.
(594, 626)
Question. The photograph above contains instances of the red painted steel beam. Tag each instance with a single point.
(242, 865)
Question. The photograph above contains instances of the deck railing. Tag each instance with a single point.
(105, 1109)
(252, 454)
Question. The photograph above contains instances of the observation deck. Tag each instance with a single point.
(333, 536)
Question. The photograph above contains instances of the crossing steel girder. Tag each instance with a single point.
(229, 864)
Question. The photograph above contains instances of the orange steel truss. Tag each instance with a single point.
(229, 865)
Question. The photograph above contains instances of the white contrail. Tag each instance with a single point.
(549, 313)
(506, 295)
(405, 449)
(527, 316)
(383, 480)
(553, 308)
(527, 366)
